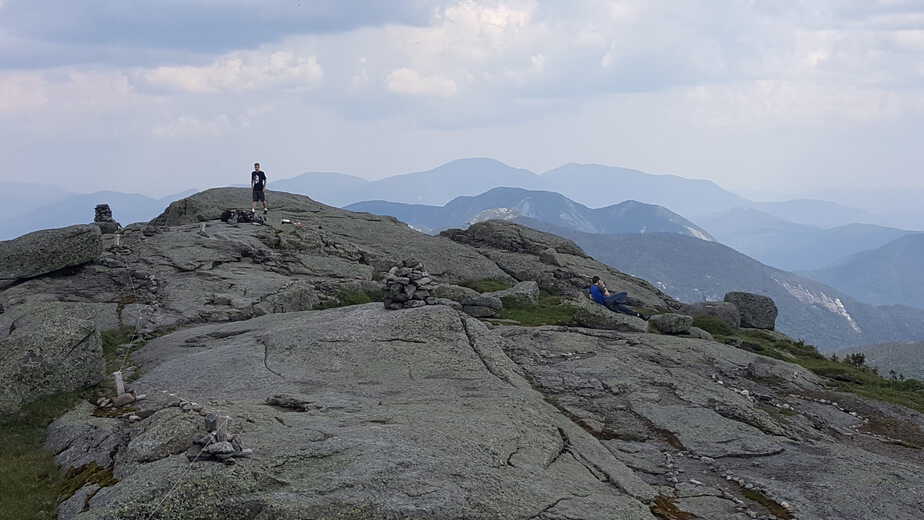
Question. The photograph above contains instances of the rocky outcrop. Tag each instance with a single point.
(104, 221)
(725, 311)
(50, 350)
(523, 293)
(361, 411)
(389, 432)
(520, 252)
(50, 250)
(756, 311)
(670, 323)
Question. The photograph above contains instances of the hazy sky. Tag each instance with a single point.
(767, 97)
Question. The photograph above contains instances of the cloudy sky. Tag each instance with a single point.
(770, 98)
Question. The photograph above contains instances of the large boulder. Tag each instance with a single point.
(670, 323)
(482, 306)
(453, 292)
(595, 316)
(756, 311)
(523, 293)
(51, 350)
(725, 311)
(50, 250)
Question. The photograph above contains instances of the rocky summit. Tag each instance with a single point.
(273, 383)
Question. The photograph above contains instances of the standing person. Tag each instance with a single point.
(258, 183)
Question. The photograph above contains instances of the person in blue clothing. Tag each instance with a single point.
(614, 302)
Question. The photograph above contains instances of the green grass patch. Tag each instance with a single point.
(713, 325)
(487, 285)
(548, 311)
(31, 483)
(844, 374)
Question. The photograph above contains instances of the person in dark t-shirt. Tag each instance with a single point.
(258, 183)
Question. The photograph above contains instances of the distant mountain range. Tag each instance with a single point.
(68, 209)
(792, 246)
(593, 185)
(549, 207)
(892, 273)
(696, 270)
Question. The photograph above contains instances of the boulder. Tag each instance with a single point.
(523, 293)
(756, 311)
(670, 323)
(48, 352)
(725, 311)
(594, 316)
(482, 306)
(698, 333)
(50, 250)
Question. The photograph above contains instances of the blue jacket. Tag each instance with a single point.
(597, 294)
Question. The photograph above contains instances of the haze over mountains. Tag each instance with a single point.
(889, 274)
(51, 208)
(812, 237)
(589, 184)
(791, 246)
(510, 203)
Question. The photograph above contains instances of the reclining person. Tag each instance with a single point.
(614, 302)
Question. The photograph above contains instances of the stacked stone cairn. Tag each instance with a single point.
(408, 286)
(104, 220)
(241, 216)
(218, 443)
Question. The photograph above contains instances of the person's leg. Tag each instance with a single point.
(253, 202)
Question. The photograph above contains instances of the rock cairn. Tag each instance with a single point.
(408, 286)
(241, 216)
(218, 443)
(104, 220)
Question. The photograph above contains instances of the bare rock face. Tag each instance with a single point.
(756, 311)
(50, 350)
(385, 427)
(50, 250)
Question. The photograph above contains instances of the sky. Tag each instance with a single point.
(769, 98)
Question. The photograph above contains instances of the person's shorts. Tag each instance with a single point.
(259, 196)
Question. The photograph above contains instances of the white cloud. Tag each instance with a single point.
(192, 127)
(22, 92)
(242, 72)
(410, 82)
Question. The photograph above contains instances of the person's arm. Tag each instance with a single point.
(253, 182)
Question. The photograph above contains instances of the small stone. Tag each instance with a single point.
(134, 418)
(695, 482)
(219, 448)
(707, 460)
(123, 400)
